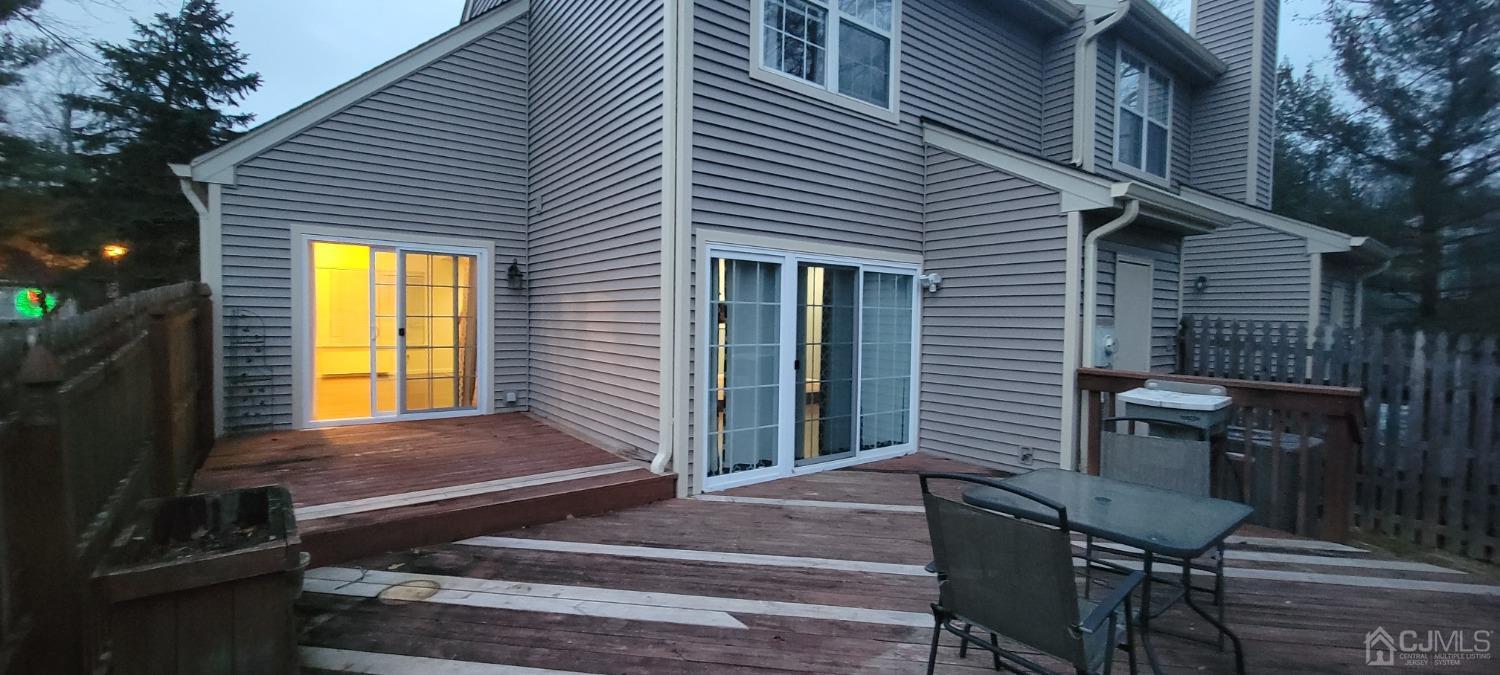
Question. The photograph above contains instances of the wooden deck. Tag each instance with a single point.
(370, 488)
(815, 574)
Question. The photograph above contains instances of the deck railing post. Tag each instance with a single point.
(1338, 480)
(203, 365)
(39, 507)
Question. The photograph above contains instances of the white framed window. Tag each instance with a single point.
(809, 363)
(1143, 119)
(845, 52)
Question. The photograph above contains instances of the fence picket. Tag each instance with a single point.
(1456, 451)
(1486, 372)
(1430, 459)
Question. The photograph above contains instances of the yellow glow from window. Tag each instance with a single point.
(341, 347)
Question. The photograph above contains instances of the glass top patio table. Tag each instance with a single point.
(1162, 522)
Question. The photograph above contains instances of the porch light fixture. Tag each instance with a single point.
(932, 281)
(114, 252)
(1200, 284)
(513, 276)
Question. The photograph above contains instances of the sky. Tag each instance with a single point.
(302, 48)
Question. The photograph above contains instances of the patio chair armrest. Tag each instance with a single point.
(1108, 604)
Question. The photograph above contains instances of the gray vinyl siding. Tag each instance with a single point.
(482, 6)
(1223, 112)
(1057, 94)
(595, 241)
(1180, 135)
(1266, 106)
(770, 160)
(992, 349)
(1164, 254)
(440, 152)
(1254, 274)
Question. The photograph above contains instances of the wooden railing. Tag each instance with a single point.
(1292, 450)
(96, 413)
(1429, 474)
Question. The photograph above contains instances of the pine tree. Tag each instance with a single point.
(1425, 79)
(164, 97)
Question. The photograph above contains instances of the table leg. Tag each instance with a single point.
(1239, 654)
(1145, 621)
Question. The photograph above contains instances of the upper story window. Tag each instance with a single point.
(846, 48)
(1143, 126)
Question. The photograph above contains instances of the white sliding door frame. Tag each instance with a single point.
(302, 238)
(789, 386)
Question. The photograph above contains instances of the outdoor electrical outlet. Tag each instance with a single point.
(510, 398)
(1028, 455)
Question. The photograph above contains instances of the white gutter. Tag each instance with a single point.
(677, 172)
(207, 199)
(1091, 274)
(667, 365)
(1085, 84)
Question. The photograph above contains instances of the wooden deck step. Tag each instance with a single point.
(423, 521)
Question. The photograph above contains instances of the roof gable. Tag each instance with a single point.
(218, 165)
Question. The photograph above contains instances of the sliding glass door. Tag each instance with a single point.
(394, 331)
(809, 363)
(824, 363)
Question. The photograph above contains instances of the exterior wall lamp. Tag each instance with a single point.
(1200, 284)
(932, 281)
(513, 276)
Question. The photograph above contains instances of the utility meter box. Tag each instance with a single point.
(1201, 406)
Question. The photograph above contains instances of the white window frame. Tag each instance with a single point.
(828, 92)
(303, 327)
(1151, 67)
(786, 451)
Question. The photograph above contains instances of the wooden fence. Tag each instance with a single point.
(96, 413)
(1291, 453)
(1430, 471)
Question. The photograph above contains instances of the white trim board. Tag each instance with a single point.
(657, 553)
(811, 503)
(217, 166)
(302, 235)
(588, 601)
(376, 663)
(428, 496)
(1306, 544)
(1372, 564)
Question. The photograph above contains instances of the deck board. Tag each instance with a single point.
(1288, 626)
(367, 488)
(370, 460)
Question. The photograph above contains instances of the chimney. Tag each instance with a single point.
(1234, 119)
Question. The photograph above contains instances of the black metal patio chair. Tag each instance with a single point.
(1178, 464)
(1014, 577)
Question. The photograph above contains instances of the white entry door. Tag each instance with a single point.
(392, 332)
(810, 364)
(1133, 299)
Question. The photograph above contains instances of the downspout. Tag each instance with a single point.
(1085, 84)
(190, 189)
(1359, 292)
(667, 349)
(1091, 273)
(672, 454)
(1314, 294)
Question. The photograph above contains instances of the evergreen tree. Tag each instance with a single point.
(1425, 75)
(164, 97)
